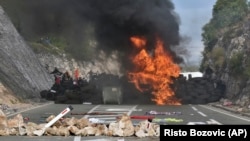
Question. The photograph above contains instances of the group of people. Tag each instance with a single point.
(65, 81)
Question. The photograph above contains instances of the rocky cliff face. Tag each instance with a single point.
(104, 64)
(20, 69)
(234, 63)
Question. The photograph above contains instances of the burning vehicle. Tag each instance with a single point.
(154, 79)
(111, 89)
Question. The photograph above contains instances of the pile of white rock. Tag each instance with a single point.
(122, 127)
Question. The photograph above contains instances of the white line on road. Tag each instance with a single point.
(29, 109)
(104, 115)
(114, 110)
(106, 118)
(204, 115)
(131, 110)
(77, 138)
(194, 108)
(212, 121)
(86, 116)
(226, 113)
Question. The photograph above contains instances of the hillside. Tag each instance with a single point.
(20, 69)
(226, 38)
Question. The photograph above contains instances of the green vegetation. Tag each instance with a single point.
(83, 50)
(218, 56)
(227, 16)
(85, 47)
(239, 66)
(235, 64)
(66, 31)
(247, 67)
(43, 48)
(226, 13)
(247, 70)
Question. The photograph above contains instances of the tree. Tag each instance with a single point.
(225, 13)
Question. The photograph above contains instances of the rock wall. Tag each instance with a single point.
(20, 69)
(235, 41)
(104, 64)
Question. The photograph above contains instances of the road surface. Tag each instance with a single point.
(168, 115)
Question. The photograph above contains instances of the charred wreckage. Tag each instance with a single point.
(111, 89)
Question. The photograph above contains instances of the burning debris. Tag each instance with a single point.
(149, 77)
(155, 71)
(123, 127)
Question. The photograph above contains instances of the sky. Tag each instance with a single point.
(194, 14)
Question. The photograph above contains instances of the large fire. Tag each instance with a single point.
(155, 72)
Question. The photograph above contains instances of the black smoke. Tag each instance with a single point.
(114, 21)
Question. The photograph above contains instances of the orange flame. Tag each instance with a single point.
(154, 71)
(138, 42)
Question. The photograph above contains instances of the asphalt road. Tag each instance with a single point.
(167, 115)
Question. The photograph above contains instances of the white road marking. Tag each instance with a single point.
(131, 110)
(196, 123)
(204, 115)
(116, 110)
(226, 113)
(30, 109)
(138, 110)
(77, 138)
(212, 121)
(86, 116)
(105, 118)
(100, 140)
(194, 108)
(104, 115)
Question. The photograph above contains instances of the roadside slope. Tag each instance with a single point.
(20, 69)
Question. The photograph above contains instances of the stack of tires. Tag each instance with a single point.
(198, 90)
(72, 95)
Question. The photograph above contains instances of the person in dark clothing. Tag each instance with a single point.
(208, 72)
(57, 75)
(56, 71)
(67, 80)
(66, 76)
(57, 88)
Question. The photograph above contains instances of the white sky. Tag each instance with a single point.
(194, 14)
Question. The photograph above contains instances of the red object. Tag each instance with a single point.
(76, 74)
(58, 81)
(142, 117)
(26, 119)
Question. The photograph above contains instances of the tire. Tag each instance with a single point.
(43, 93)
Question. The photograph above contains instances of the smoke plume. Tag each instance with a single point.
(113, 22)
